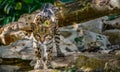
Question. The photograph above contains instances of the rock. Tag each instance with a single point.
(23, 49)
(9, 68)
(113, 36)
(65, 34)
(85, 39)
(72, 6)
(105, 51)
(1, 60)
(22, 31)
(112, 65)
(19, 49)
(115, 3)
(48, 70)
(118, 53)
(100, 5)
(67, 46)
(95, 25)
(63, 62)
(87, 35)
(99, 40)
(17, 30)
(13, 32)
(112, 22)
(97, 62)
(106, 4)
(59, 65)
(91, 64)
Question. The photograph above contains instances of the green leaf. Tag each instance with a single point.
(6, 20)
(2, 18)
(37, 1)
(28, 1)
(10, 1)
(8, 10)
(67, 0)
(1, 1)
(18, 6)
(33, 8)
(5, 8)
(72, 70)
(13, 19)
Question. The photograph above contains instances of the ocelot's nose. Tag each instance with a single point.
(42, 40)
(44, 59)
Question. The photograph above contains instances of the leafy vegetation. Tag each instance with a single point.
(10, 10)
(66, 0)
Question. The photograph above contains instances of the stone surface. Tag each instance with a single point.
(85, 38)
(17, 30)
(81, 38)
(23, 49)
(13, 32)
(115, 3)
(118, 53)
(88, 62)
(106, 4)
(8, 68)
(95, 25)
(113, 35)
(19, 49)
(97, 62)
(48, 70)
(112, 65)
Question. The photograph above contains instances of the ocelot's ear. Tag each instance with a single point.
(58, 3)
(37, 18)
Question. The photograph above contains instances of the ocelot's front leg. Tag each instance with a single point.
(37, 51)
(57, 43)
(45, 67)
(48, 57)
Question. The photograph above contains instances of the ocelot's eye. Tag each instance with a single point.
(46, 17)
(37, 36)
(47, 23)
(48, 37)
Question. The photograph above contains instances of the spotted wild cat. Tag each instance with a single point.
(46, 35)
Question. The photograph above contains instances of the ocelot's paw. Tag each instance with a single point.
(36, 67)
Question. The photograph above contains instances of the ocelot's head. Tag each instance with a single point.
(45, 22)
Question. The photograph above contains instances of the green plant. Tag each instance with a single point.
(10, 10)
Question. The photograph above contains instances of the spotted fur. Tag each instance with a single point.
(46, 35)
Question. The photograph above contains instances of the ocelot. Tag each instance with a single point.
(46, 36)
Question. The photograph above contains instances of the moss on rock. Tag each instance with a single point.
(86, 63)
(23, 64)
